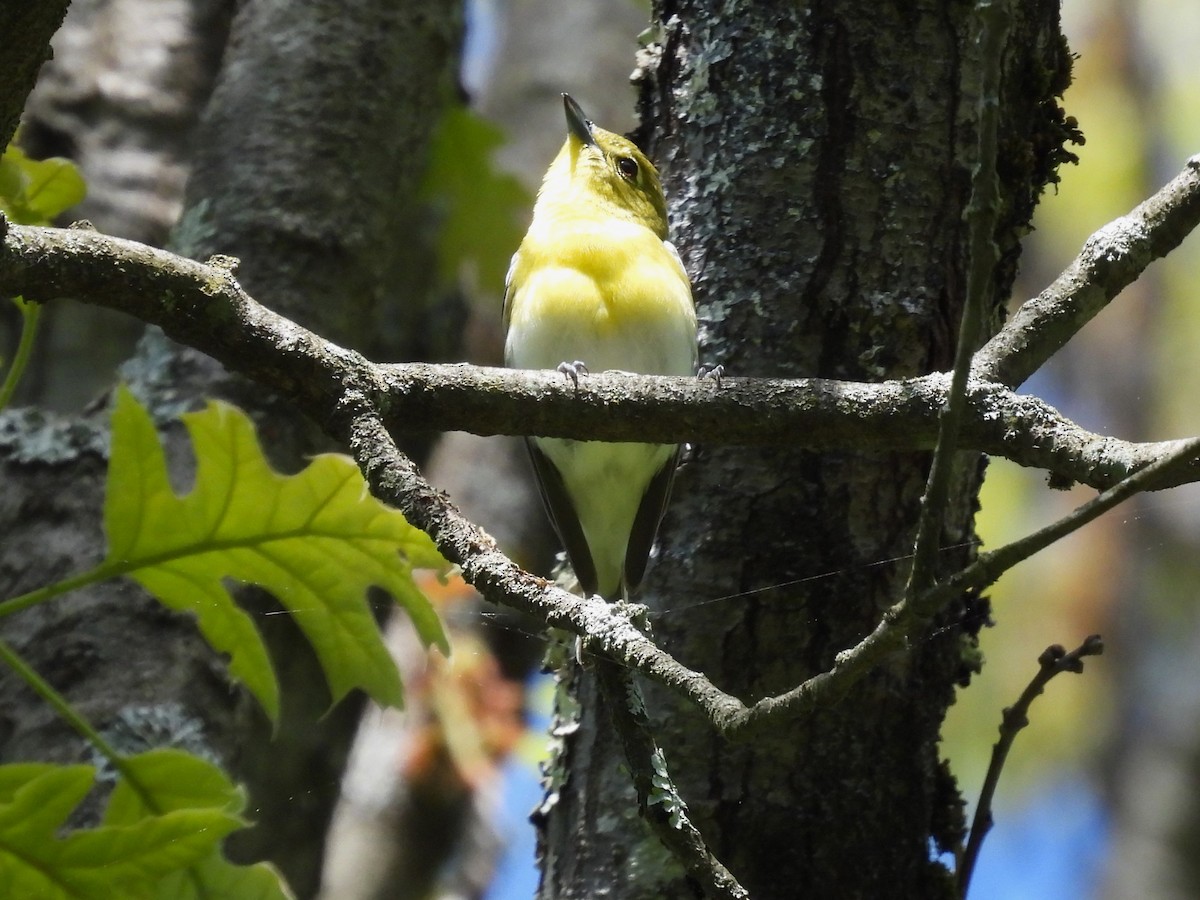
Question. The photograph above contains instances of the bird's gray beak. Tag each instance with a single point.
(577, 122)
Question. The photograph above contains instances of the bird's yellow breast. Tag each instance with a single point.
(609, 293)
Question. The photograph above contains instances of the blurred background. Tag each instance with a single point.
(1101, 796)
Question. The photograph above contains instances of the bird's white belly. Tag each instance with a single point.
(606, 483)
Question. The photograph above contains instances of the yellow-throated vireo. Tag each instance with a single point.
(597, 283)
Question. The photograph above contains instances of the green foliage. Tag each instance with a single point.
(31, 314)
(34, 192)
(168, 781)
(482, 208)
(317, 540)
(138, 845)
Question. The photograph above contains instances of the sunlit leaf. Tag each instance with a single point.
(113, 860)
(317, 540)
(169, 779)
(176, 780)
(34, 192)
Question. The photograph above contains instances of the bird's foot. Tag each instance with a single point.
(716, 373)
(572, 370)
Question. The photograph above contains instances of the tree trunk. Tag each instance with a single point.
(817, 162)
(307, 164)
(27, 29)
(121, 102)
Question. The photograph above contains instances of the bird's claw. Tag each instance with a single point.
(572, 370)
(716, 373)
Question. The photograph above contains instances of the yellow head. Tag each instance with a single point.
(598, 173)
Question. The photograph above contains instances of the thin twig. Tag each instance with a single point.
(607, 627)
(1054, 660)
(993, 22)
(901, 623)
(988, 568)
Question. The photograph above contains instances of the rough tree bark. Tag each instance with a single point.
(817, 162)
(27, 29)
(121, 98)
(307, 166)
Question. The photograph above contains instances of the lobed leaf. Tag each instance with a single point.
(126, 859)
(317, 540)
(174, 780)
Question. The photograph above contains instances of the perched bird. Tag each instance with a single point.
(596, 285)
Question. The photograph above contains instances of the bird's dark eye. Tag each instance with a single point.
(628, 168)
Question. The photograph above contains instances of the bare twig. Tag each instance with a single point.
(608, 629)
(993, 22)
(1053, 661)
(1111, 259)
(988, 568)
(902, 622)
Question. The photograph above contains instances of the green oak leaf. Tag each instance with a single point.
(317, 540)
(167, 780)
(127, 860)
